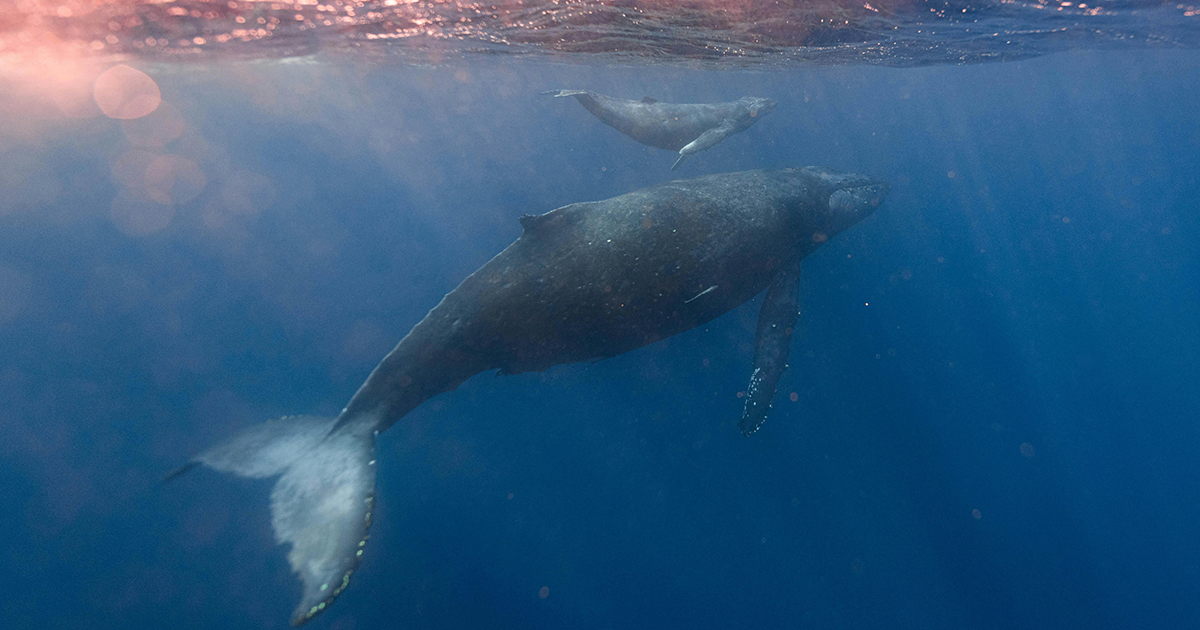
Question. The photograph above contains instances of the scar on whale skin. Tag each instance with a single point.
(688, 128)
(552, 297)
(704, 292)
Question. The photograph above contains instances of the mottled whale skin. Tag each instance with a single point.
(685, 127)
(583, 282)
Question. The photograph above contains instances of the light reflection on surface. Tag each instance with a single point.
(888, 32)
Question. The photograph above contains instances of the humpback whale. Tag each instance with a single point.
(685, 127)
(584, 282)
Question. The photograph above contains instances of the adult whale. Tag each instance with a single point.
(685, 127)
(586, 281)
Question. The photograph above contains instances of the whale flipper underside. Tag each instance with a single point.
(321, 505)
(776, 319)
(564, 93)
(707, 140)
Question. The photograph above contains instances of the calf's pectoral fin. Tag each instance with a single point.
(706, 140)
(562, 93)
(776, 319)
(711, 137)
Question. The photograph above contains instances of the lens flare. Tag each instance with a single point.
(126, 93)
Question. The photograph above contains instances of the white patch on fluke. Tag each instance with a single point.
(321, 504)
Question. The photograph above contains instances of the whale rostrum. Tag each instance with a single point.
(586, 281)
(684, 127)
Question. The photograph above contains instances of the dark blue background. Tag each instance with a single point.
(1033, 279)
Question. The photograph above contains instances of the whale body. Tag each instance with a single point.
(685, 127)
(583, 282)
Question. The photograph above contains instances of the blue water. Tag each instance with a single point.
(995, 422)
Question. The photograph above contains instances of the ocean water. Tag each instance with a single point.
(990, 419)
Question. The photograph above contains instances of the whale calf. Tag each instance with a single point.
(583, 282)
(685, 127)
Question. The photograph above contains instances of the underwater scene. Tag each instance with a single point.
(599, 314)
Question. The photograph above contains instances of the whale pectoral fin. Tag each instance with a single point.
(727, 128)
(706, 140)
(776, 319)
(562, 93)
(321, 504)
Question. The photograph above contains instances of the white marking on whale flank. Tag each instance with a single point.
(709, 289)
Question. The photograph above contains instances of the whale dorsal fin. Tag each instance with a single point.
(534, 223)
(540, 224)
(554, 221)
(647, 100)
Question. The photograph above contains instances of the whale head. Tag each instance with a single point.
(849, 198)
(757, 107)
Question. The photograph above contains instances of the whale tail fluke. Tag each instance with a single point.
(321, 505)
(562, 93)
